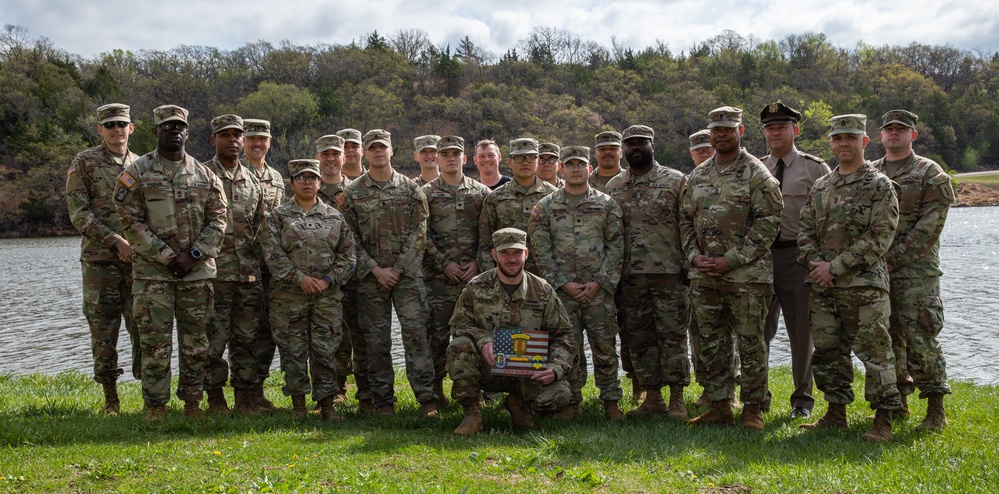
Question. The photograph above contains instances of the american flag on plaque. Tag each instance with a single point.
(519, 352)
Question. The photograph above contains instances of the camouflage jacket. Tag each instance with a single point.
(580, 243)
(850, 221)
(164, 214)
(650, 204)
(484, 306)
(453, 225)
(313, 242)
(329, 192)
(732, 211)
(239, 255)
(600, 182)
(509, 206)
(925, 197)
(389, 224)
(271, 182)
(90, 185)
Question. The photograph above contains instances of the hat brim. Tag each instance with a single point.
(421, 148)
(386, 142)
(897, 121)
(779, 120)
(173, 118)
(846, 131)
(522, 153)
(116, 118)
(725, 123)
(230, 126)
(511, 245)
(314, 171)
(608, 143)
(326, 148)
(255, 134)
(701, 145)
(445, 148)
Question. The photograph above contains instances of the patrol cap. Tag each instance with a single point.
(113, 112)
(256, 127)
(700, 139)
(548, 149)
(374, 136)
(778, 112)
(580, 153)
(223, 122)
(451, 142)
(298, 167)
(906, 118)
(524, 145)
(169, 113)
(848, 124)
(510, 238)
(636, 131)
(350, 135)
(726, 116)
(425, 142)
(329, 141)
(607, 138)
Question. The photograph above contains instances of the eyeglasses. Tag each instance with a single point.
(173, 125)
(111, 125)
(548, 161)
(524, 158)
(574, 164)
(305, 179)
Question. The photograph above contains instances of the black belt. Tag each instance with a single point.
(783, 244)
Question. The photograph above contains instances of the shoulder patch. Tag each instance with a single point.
(535, 211)
(126, 179)
(72, 168)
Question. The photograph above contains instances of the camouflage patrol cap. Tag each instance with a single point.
(510, 238)
(524, 145)
(329, 141)
(169, 113)
(848, 124)
(636, 131)
(700, 139)
(726, 116)
(350, 135)
(374, 136)
(255, 127)
(607, 138)
(778, 112)
(548, 148)
(451, 142)
(223, 122)
(425, 142)
(298, 167)
(578, 153)
(902, 117)
(113, 112)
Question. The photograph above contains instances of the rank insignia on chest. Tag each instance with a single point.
(126, 180)
(340, 199)
(460, 205)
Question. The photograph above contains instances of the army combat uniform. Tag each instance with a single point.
(509, 206)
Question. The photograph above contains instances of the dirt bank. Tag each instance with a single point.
(977, 195)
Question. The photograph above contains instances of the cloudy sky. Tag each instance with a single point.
(89, 28)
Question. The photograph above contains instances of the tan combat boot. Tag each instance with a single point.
(428, 410)
(155, 413)
(902, 413)
(881, 431)
(298, 410)
(192, 410)
(260, 401)
(652, 405)
(112, 405)
(570, 411)
(702, 401)
(835, 418)
(637, 395)
(217, 404)
(389, 410)
(366, 406)
(720, 413)
(341, 396)
(245, 404)
(519, 413)
(471, 422)
(752, 417)
(328, 409)
(612, 411)
(439, 390)
(677, 407)
(936, 417)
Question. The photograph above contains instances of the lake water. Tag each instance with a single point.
(42, 328)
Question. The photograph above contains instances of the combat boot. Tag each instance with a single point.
(111, 403)
(389, 410)
(720, 413)
(519, 413)
(245, 404)
(835, 418)
(702, 401)
(298, 410)
(261, 401)
(612, 411)
(328, 409)
(341, 396)
(192, 410)
(155, 413)
(881, 431)
(217, 404)
(902, 413)
(366, 406)
(936, 416)
(652, 405)
(471, 422)
(677, 407)
(637, 395)
(568, 412)
(428, 410)
(752, 417)
(439, 390)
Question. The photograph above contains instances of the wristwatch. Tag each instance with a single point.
(196, 254)
(328, 280)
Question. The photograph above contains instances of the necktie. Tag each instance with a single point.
(780, 173)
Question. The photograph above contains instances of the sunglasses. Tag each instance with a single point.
(111, 125)
(173, 125)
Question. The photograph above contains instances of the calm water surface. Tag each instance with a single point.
(42, 328)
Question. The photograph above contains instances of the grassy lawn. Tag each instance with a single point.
(52, 440)
(989, 178)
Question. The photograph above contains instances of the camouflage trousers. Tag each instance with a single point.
(471, 375)
(656, 314)
(307, 331)
(357, 352)
(845, 319)
(409, 297)
(155, 305)
(441, 298)
(107, 299)
(264, 347)
(917, 318)
(730, 318)
(238, 311)
(598, 319)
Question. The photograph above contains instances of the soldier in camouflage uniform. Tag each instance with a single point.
(387, 213)
(914, 266)
(256, 143)
(105, 255)
(548, 164)
(352, 153)
(700, 146)
(455, 202)
(310, 251)
(653, 298)
(729, 217)
(509, 206)
(576, 236)
(425, 154)
(239, 297)
(847, 227)
(508, 297)
(173, 213)
(700, 151)
(607, 152)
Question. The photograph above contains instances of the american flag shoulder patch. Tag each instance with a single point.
(519, 352)
(126, 180)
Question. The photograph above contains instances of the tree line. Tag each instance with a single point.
(553, 85)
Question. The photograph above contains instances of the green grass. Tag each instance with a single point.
(52, 440)
(989, 179)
